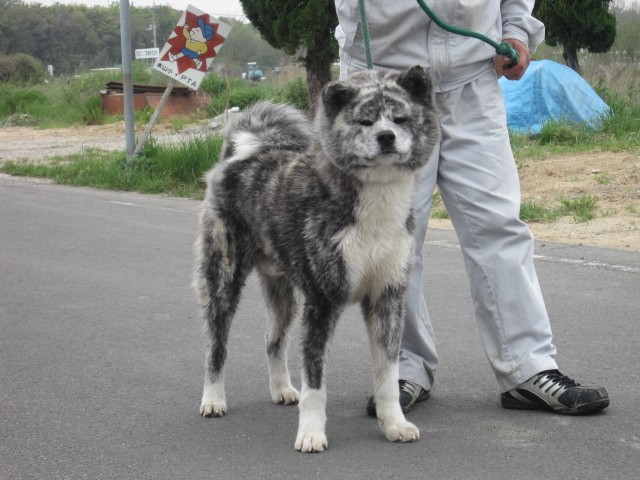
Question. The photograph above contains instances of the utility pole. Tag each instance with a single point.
(127, 79)
(153, 17)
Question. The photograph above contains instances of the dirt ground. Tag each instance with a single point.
(613, 178)
(36, 145)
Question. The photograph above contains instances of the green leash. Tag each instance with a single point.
(365, 34)
(501, 48)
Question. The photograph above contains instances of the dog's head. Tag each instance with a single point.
(379, 120)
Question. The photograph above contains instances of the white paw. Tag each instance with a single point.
(311, 442)
(285, 396)
(213, 408)
(401, 431)
(214, 401)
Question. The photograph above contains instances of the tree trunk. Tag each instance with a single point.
(318, 75)
(570, 55)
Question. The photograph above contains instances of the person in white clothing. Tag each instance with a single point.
(476, 175)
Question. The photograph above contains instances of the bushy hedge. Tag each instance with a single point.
(21, 68)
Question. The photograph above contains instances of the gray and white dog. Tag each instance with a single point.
(331, 220)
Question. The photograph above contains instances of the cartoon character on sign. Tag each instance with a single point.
(195, 44)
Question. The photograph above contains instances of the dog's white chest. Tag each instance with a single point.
(377, 248)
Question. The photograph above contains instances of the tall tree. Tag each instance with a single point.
(299, 27)
(577, 24)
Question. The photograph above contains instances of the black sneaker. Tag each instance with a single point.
(553, 391)
(410, 394)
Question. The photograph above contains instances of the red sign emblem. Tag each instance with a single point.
(193, 43)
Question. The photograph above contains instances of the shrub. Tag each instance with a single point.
(296, 93)
(215, 84)
(21, 68)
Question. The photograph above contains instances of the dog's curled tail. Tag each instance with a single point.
(266, 126)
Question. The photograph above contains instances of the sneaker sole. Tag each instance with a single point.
(515, 404)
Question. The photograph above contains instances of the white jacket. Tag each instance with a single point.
(402, 35)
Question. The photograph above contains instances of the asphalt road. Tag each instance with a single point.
(101, 361)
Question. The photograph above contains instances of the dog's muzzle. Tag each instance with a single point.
(386, 139)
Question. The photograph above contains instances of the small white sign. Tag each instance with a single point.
(147, 53)
(190, 49)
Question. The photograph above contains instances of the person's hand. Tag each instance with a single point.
(503, 64)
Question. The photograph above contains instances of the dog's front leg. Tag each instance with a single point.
(384, 318)
(311, 435)
(319, 324)
(390, 417)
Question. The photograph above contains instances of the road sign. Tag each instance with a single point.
(190, 49)
(142, 53)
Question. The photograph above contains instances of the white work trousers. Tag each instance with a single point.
(476, 175)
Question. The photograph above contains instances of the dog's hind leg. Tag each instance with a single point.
(384, 316)
(319, 322)
(282, 307)
(222, 269)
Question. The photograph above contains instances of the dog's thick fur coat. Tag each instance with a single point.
(332, 220)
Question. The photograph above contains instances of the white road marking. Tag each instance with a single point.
(152, 207)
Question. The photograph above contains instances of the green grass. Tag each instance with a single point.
(69, 105)
(176, 170)
(439, 213)
(75, 100)
(582, 208)
(67, 100)
(227, 92)
(438, 210)
(531, 211)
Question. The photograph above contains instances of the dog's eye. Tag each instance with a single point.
(399, 120)
(365, 123)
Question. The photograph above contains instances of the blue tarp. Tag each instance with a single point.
(550, 91)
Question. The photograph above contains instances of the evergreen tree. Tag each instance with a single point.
(299, 27)
(577, 24)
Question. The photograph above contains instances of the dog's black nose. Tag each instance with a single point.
(386, 138)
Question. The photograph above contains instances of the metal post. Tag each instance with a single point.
(154, 117)
(153, 16)
(127, 80)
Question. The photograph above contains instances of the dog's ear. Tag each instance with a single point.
(417, 82)
(335, 96)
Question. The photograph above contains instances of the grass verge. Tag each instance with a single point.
(174, 170)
